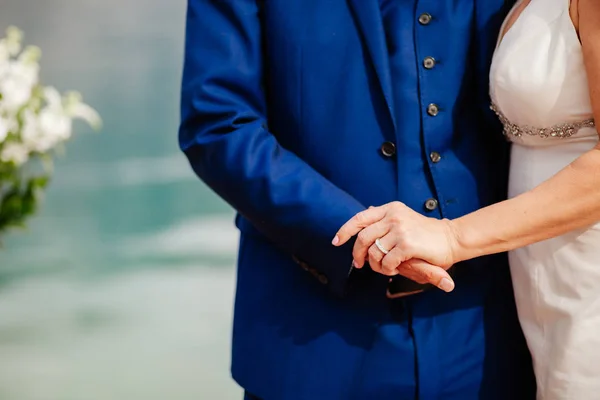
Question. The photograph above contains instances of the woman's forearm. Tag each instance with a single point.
(568, 201)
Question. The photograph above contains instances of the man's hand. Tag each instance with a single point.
(397, 240)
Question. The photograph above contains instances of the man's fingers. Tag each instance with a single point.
(430, 273)
(357, 223)
(412, 273)
(365, 240)
(395, 260)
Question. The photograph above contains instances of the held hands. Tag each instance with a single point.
(418, 247)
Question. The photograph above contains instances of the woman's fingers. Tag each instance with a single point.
(358, 223)
(365, 241)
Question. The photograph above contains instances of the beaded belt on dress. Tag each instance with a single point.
(559, 131)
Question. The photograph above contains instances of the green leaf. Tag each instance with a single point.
(39, 182)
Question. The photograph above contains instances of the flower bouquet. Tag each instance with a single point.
(35, 121)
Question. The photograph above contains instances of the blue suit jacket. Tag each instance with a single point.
(285, 107)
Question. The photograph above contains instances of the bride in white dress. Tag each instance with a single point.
(545, 88)
(538, 79)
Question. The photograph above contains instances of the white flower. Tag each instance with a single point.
(75, 108)
(11, 44)
(14, 37)
(17, 83)
(55, 120)
(30, 129)
(17, 76)
(31, 55)
(4, 55)
(45, 118)
(4, 129)
(34, 120)
(53, 99)
(14, 152)
(32, 135)
(7, 125)
(55, 125)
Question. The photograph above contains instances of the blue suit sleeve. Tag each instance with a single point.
(224, 134)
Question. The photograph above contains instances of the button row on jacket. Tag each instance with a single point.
(429, 63)
(388, 149)
(433, 110)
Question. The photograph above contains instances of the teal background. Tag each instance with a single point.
(122, 287)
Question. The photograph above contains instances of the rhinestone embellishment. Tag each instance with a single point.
(558, 131)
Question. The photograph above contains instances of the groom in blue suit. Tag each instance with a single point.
(302, 113)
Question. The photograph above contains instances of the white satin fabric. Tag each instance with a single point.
(538, 79)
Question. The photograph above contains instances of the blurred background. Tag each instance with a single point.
(122, 287)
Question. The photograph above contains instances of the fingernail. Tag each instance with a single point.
(335, 240)
(446, 285)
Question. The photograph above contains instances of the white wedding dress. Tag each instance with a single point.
(540, 91)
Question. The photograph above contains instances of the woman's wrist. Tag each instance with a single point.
(463, 241)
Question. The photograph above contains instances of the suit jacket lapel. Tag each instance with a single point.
(368, 16)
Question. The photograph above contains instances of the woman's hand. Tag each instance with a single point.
(397, 240)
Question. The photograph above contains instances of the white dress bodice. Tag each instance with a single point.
(539, 88)
(538, 79)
